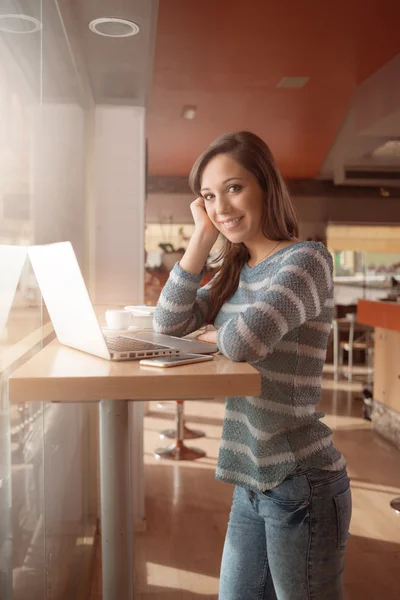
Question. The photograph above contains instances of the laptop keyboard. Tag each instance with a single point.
(122, 344)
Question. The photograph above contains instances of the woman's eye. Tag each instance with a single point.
(234, 188)
(207, 196)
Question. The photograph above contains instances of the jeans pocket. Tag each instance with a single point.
(343, 516)
(292, 491)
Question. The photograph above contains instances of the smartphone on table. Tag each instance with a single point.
(175, 361)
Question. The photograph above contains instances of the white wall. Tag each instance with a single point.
(118, 205)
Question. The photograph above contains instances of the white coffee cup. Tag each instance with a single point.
(118, 319)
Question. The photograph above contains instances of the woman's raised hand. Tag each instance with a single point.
(203, 239)
(203, 223)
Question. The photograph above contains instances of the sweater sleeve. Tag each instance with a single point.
(182, 306)
(297, 293)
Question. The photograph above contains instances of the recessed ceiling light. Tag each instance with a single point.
(189, 112)
(113, 27)
(293, 82)
(15, 23)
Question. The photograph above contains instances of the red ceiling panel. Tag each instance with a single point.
(227, 57)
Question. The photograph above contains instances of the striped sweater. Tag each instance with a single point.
(279, 321)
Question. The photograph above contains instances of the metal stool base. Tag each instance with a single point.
(188, 434)
(179, 451)
(167, 405)
(395, 504)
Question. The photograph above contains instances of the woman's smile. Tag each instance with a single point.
(233, 199)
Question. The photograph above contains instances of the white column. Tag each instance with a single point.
(118, 198)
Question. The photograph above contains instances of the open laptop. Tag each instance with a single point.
(185, 345)
(72, 313)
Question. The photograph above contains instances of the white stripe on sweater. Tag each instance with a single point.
(209, 284)
(258, 434)
(181, 308)
(301, 349)
(305, 275)
(275, 459)
(324, 326)
(291, 378)
(239, 417)
(246, 479)
(286, 346)
(276, 376)
(182, 281)
(314, 447)
(264, 461)
(173, 307)
(275, 314)
(250, 338)
(292, 296)
(229, 307)
(311, 351)
(278, 407)
(322, 261)
(325, 265)
(338, 465)
(288, 254)
(258, 285)
(220, 339)
(307, 381)
(189, 326)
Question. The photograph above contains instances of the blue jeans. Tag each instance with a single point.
(288, 543)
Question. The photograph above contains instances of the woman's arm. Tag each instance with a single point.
(182, 306)
(195, 257)
(297, 294)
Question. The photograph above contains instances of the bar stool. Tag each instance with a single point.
(363, 341)
(165, 405)
(178, 450)
(188, 434)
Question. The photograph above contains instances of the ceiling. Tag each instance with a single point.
(227, 58)
(66, 62)
(119, 69)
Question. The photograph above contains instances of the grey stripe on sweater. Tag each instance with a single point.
(278, 320)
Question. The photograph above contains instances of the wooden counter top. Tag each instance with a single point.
(61, 374)
(379, 314)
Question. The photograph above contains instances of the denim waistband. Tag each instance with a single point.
(317, 474)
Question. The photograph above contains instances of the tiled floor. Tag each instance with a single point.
(178, 557)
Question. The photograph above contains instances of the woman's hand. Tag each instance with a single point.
(202, 221)
(203, 239)
(208, 336)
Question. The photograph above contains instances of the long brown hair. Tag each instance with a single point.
(280, 221)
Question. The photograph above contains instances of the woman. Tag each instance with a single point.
(271, 304)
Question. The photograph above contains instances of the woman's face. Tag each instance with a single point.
(233, 199)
